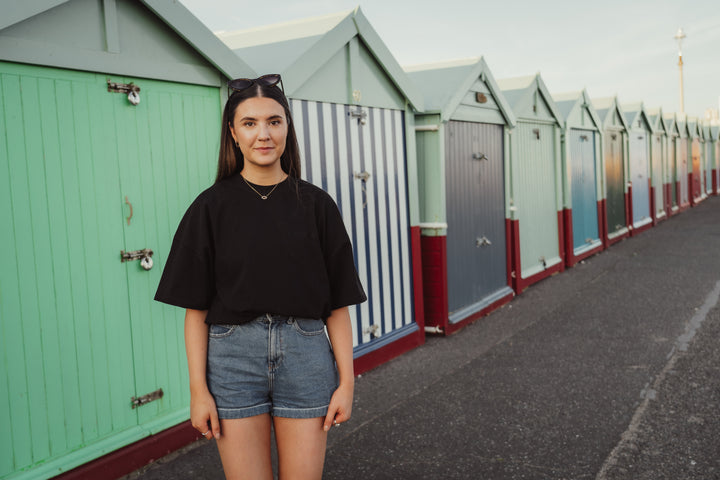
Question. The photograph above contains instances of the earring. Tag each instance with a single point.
(237, 144)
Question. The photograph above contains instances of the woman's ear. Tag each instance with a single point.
(232, 133)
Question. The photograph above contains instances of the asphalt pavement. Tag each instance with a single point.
(607, 371)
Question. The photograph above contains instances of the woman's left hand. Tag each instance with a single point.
(340, 407)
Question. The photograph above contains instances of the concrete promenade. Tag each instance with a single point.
(608, 371)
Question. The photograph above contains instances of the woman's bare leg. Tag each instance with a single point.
(245, 448)
(301, 448)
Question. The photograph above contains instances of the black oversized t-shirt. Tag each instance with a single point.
(239, 256)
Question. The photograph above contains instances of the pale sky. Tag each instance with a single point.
(609, 47)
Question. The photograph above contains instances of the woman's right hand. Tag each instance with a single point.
(203, 414)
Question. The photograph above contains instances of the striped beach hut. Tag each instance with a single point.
(534, 185)
(615, 133)
(658, 166)
(354, 107)
(461, 137)
(583, 175)
(110, 118)
(639, 136)
(673, 172)
(695, 165)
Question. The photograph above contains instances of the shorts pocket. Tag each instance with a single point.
(220, 331)
(309, 326)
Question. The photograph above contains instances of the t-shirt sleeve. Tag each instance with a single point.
(188, 279)
(345, 286)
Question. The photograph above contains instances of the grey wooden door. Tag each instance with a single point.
(476, 252)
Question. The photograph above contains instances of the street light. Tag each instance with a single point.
(679, 37)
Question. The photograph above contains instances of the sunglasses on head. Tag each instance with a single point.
(270, 80)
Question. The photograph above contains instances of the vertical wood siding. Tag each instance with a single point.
(335, 147)
(80, 333)
(638, 151)
(684, 187)
(673, 161)
(614, 160)
(584, 197)
(535, 196)
(475, 209)
(657, 168)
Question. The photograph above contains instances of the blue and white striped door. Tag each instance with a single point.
(357, 155)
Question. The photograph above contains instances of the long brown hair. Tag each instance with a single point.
(231, 160)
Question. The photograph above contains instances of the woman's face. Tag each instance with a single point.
(260, 128)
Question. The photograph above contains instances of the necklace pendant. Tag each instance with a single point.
(264, 197)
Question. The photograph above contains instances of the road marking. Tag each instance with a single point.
(649, 393)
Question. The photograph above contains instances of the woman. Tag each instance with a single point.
(263, 264)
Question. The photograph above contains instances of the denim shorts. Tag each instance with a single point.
(274, 364)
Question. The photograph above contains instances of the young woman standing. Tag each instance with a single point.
(264, 267)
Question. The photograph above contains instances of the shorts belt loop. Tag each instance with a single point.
(267, 315)
(290, 320)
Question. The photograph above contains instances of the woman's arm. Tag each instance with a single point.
(203, 412)
(340, 333)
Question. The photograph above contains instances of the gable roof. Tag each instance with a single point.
(671, 123)
(715, 133)
(299, 48)
(445, 84)
(606, 107)
(519, 93)
(636, 111)
(173, 14)
(657, 120)
(568, 102)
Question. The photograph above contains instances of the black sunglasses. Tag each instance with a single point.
(270, 80)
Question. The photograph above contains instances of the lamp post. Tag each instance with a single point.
(679, 37)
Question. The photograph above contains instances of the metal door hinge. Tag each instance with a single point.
(147, 398)
(144, 255)
(482, 241)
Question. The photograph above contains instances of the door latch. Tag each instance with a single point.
(144, 255)
(482, 241)
(147, 398)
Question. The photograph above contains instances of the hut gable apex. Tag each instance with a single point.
(671, 124)
(343, 44)
(637, 117)
(693, 127)
(149, 38)
(658, 121)
(577, 110)
(610, 113)
(715, 133)
(529, 98)
(461, 90)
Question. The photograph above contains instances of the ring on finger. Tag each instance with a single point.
(206, 433)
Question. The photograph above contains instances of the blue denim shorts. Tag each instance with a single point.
(274, 364)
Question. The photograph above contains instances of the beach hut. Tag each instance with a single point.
(110, 118)
(583, 175)
(461, 137)
(658, 165)
(672, 186)
(715, 135)
(354, 108)
(534, 185)
(684, 162)
(709, 159)
(695, 167)
(639, 137)
(616, 203)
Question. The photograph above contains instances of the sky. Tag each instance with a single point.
(610, 47)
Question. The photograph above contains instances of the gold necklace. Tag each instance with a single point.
(264, 197)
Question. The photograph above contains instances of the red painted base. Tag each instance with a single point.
(602, 215)
(667, 197)
(434, 272)
(418, 296)
(639, 230)
(128, 459)
(715, 189)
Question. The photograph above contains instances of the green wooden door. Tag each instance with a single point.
(80, 334)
